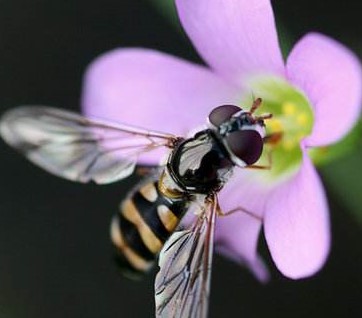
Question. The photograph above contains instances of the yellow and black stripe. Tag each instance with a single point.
(145, 221)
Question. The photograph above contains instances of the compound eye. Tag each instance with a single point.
(222, 113)
(247, 145)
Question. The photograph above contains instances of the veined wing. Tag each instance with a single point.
(78, 148)
(183, 282)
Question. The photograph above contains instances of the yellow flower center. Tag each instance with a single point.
(292, 119)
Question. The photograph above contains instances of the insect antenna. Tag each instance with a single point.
(264, 116)
(256, 104)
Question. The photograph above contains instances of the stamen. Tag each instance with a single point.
(275, 125)
(289, 108)
(302, 119)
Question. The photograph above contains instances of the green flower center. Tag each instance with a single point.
(292, 120)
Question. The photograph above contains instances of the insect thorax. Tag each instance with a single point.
(200, 165)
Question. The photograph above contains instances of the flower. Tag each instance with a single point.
(315, 97)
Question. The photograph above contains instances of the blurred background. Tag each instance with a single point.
(55, 255)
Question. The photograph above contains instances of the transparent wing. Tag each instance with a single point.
(183, 282)
(78, 148)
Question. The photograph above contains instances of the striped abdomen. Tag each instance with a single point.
(142, 226)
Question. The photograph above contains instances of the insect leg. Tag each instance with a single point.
(239, 209)
(273, 138)
(262, 167)
(145, 170)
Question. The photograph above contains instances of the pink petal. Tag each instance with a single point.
(152, 90)
(296, 224)
(331, 76)
(237, 234)
(235, 37)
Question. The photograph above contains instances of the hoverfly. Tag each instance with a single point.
(84, 149)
